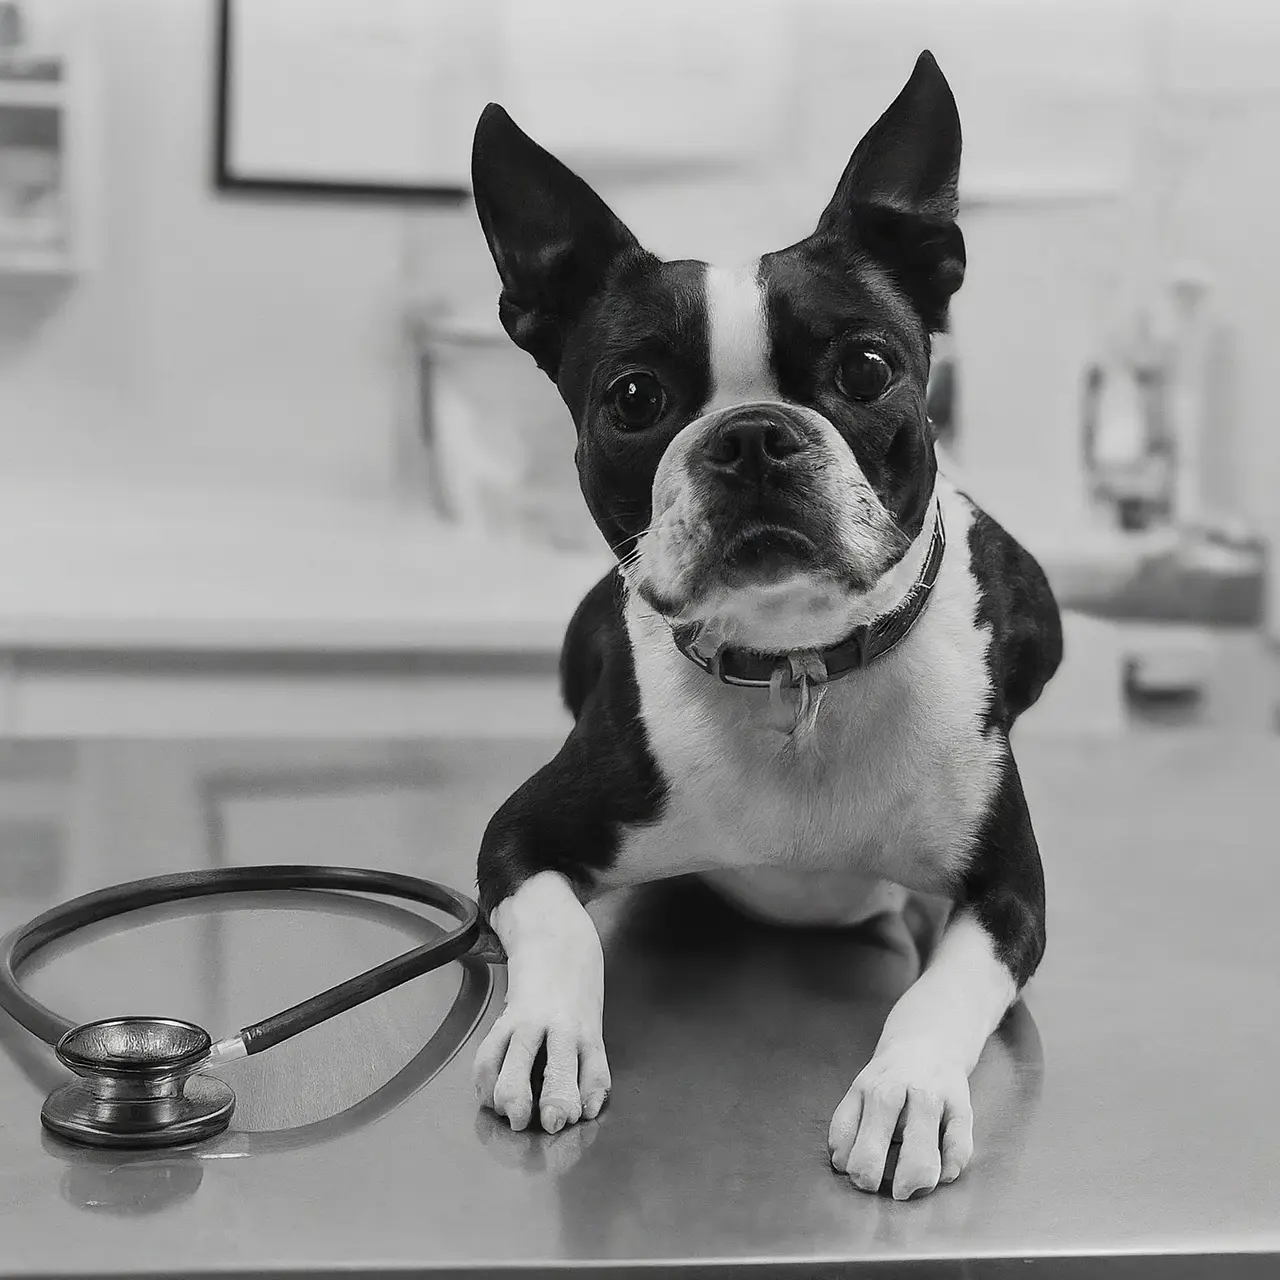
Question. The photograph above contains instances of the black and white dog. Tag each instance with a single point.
(799, 681)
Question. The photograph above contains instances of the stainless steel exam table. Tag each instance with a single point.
(1126, 1114)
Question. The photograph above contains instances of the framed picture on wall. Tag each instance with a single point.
(348, 97)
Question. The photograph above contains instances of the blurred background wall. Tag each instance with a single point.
(269, 342)
(249, 337)
(268, 335)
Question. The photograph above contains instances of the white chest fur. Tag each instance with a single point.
(888, 787)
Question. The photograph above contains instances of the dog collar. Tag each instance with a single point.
(821, 666)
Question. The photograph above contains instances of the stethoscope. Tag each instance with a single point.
(141, 1080)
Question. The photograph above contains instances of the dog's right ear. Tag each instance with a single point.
(554, 240)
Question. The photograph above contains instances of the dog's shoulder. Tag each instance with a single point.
(600, 687)
(595, 630)
(604, 778)
(1017, 606)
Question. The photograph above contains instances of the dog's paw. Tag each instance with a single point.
(555, 1007)
(911, 1093)
(575, 1079)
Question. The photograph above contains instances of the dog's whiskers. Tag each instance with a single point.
(629, 561)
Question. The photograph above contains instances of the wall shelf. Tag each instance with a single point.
(44, 151)
(36, 263)
(31, 93)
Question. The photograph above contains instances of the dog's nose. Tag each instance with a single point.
(746, 446)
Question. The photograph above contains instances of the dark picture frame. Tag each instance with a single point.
(230, 178)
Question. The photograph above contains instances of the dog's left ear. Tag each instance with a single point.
(898, 196)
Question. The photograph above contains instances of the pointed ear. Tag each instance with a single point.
(898, 196)
(554, 240)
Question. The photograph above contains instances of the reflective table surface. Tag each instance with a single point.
(1126, 1113)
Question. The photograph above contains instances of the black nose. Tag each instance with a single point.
(746, 446)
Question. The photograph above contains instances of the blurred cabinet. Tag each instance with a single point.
(145, 693)
(46, 122)
(169, 614)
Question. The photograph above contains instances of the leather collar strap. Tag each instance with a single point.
(863, 646)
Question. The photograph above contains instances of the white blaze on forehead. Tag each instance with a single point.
(738, 333)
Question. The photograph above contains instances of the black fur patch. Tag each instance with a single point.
(567, 817)
(821, 296)
(595, 625)
(1004, 883)
(653, 317)
(1017, 604)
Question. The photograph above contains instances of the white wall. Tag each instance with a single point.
(1226, 70)
(248, 337)
(264, 338)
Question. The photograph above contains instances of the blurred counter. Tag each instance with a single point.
(191, 568)
(143, 610)
(1188, 577)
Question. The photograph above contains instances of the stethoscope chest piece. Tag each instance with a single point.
(138, 1085)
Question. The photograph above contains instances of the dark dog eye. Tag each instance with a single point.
(637, 400)
(863, 374)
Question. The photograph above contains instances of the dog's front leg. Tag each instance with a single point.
(916, 1086)
(535, 868)
(555, 998)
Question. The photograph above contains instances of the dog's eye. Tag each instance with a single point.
(863, 374)
(637, 400)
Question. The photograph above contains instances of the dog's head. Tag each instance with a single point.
(754, 441)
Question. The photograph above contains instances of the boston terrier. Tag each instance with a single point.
(798, 681)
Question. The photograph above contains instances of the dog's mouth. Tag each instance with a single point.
(767, 550)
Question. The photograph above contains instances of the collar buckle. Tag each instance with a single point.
(686, 639)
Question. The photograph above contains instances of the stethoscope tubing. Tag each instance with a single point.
(103, 904)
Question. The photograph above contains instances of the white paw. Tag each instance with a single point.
(555, 999)
(575, 1081)
(913, 1093)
